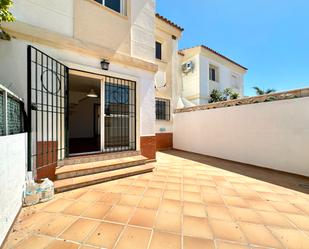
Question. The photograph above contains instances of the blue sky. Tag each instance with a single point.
(270, 37)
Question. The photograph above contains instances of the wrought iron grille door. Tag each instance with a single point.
(47, 111)
(120, 115)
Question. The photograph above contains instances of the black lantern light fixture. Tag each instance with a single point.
(105, 64)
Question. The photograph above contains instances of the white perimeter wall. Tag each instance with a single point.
(12, 177)
(273, 135)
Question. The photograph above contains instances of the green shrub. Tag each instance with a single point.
(235, 95)
(227, 94)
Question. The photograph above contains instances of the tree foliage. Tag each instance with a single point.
(215, 96)
(235, 95)
(260, 91)
(227, 94)
(5, 14)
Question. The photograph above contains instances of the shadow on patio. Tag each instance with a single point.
(283, 179)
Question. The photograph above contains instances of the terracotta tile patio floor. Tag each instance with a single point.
(189, 201)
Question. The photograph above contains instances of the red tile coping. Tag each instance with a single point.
(298, 93)
(217, 53)
(164, 19)
(181, 53)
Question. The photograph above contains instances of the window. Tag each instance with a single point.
(235, 82)
(162, 109)
(213, 73)
(14, 116)
(158, 50)
(116, 5)
(11, 115)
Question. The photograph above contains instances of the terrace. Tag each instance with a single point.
(189, 201)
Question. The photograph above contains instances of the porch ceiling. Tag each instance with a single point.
(83, 84)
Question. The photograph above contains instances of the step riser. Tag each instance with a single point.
(107, 179)
(99, 157)
(99, 170)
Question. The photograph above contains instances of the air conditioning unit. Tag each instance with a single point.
(187, 67)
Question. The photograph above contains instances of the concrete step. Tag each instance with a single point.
(97, 157)
(82, 169)
(83, 181)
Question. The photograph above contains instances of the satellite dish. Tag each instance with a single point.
(160, 81)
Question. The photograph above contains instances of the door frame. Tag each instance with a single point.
(102, 77)
(61, 139)
(95, 119)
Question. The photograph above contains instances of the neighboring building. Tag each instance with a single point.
(204, 70)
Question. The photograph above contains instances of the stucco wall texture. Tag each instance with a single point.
(274, 135)
(12, 175)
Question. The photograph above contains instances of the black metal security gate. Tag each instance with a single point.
(47, 111)
(120, 115)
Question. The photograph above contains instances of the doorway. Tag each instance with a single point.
(84, 115)
(102, 114)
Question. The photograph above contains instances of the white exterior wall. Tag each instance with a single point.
(142, 29)
(204, 86)
(13, 74)
(176, 76)
(58, 16)
(173, 90)
(273, 135)
(55, 15)
(51, 15)
(13, 67)
(225, 77)
(190, 81)
(13, 159)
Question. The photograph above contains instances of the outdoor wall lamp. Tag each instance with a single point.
(105, 64)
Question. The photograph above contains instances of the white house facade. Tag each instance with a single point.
(204, 70)
(56, 58)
